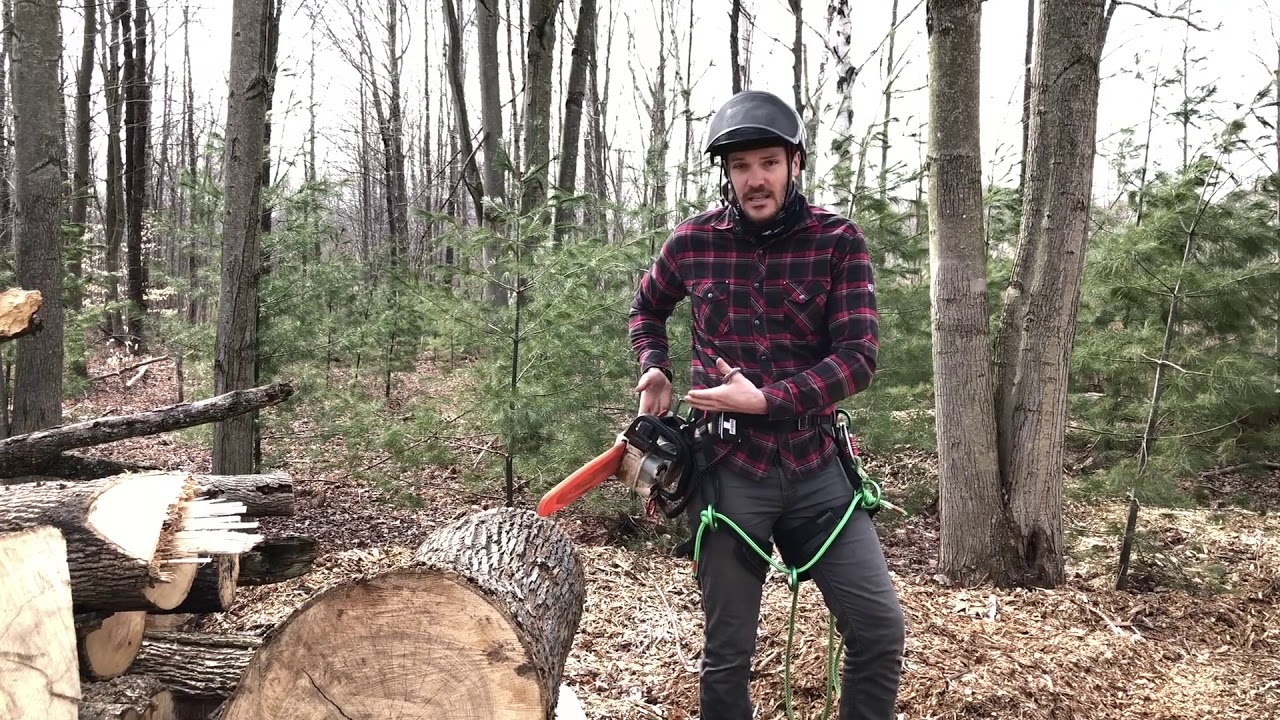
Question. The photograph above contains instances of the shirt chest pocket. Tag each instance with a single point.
(711, 307)
(804, 306)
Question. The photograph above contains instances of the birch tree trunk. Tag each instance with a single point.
(972, 516)
(236, 344)
(40, 155)
(1038, 319)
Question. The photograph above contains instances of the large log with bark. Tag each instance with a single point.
(277, 559)
(132, 540)
(106, 643)
(132, 697)
(478, 626)
(67, 466)
(268, 495)
(38, 677)
(194, 666)
(18, 310)
(27, 448)
(214, 587)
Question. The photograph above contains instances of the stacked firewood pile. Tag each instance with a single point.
(95, 555)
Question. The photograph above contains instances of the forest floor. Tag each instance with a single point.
(1198, 636)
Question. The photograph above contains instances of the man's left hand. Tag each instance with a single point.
(737, 394)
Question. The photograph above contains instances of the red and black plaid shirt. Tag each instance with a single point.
(797, 314)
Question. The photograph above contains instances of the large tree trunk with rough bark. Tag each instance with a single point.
(197, 667)
(40, 153)
(506, 592)
(131, 540)
(237, 342)
(1037, 325)
(38, 677)
(973, 520)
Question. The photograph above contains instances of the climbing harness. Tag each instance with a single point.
(866, 495)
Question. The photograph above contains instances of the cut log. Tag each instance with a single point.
(38, 677)
(18, 310)
(214, 587)
(269, 495)
(45, 443)
(132, 697)
(478, 626)
(275, 560)
(133, 541)
(193, 666)
(106, 643)
(68, 466)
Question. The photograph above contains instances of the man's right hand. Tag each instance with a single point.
(655, 392)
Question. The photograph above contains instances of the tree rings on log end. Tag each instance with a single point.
(409, 643)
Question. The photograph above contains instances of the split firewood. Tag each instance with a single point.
(277, 559)
(194, 666)
(18, 310)
(132, 697)
(106, 643)
(49, 442)
(133, 541)
(269, 495)
(38, 677)
(505, 590)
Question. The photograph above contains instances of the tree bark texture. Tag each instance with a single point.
(46, 443)
(203, 667)
(973, 519)
(269, 495)
(456, 61)
(537, 104)
(40, 155)
(496, 161)
(38, 677)
(506, 591)
(1038, 319)
(584, 48)
(6, 159)
(113, 227)
(236, 345)
(275, 560)
(80, 186)
(137, 139)
(132, 697)
(67, 466)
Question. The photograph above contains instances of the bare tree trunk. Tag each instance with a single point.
(969, 475)
(890, 72)
(6, 161)
(189, 115)
(537, 108)
(1028, 57)
(846, 76)
(513, 60)
(656, 159)
(236, 345)
(584, 47)
(1038, 318)
(40, 151)
(495, 185)
(456, 63)
(137, 131)
(735, 15)
(112, 221)
(685, 83)
(80, 190)
(398, 208)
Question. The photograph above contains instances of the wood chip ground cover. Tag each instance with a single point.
(1201, 639)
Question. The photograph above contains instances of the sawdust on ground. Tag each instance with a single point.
(1197, 637)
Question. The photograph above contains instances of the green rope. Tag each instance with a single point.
(868, 496)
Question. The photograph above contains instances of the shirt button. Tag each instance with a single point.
(757, 286)
(757, 322)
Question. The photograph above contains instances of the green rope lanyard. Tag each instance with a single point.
(867, 496)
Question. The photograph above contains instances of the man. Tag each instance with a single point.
(784, 327)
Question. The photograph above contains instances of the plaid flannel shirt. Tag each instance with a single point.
(797, 314)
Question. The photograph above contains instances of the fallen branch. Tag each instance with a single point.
(69, 466)
(44, 443)
(1264, 464)
(127, 368)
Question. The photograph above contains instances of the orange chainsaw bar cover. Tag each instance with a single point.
(601, 468)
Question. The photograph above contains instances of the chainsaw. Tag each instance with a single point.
(653, 456)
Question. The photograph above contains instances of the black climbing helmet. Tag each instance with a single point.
(754, 119)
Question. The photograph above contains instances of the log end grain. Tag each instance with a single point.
(107, 644)
(38, 669)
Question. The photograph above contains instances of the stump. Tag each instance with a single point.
(478, 626)
(38, 674)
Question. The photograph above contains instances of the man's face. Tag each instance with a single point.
(759, 180)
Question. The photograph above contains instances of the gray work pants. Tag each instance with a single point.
(852, 576)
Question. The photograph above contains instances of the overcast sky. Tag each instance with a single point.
(1237, 52)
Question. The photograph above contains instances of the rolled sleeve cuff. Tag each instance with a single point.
(655, 359)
